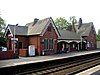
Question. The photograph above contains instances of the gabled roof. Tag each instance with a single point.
(39, 27)
(85, 29)
(33, 29)
(19, 30)
(65, 34)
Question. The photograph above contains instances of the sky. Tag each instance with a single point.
(24, 11)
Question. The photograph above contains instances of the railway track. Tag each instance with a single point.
(64, 66)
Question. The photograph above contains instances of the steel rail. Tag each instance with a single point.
(65, 66)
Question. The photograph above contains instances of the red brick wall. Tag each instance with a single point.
(24, 40)
(35, 40)
(6, 54)
(23, 52)
(8, 44)
(92, 38)
(48, 35)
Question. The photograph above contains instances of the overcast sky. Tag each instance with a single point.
(24, 11)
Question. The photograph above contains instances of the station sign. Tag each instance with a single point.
(14, 39)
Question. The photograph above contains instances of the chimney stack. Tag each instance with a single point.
(80, 22)
(35, 21)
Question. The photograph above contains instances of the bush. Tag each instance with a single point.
(3, 41)
(98, 37)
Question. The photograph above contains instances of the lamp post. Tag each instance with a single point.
(14, 40)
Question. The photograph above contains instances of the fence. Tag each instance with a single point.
(6, 54)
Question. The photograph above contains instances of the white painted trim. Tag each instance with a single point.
(68, 41)
(55, 28)
(14, 39)
(8, 28)
(6, 31)
(47, 25)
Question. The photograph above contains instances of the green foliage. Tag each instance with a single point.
(61, 23)
(69, 27)
(3, 41)
(64, 24)
(99, 32)
(2, 26)
(98, 35)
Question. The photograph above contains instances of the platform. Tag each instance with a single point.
(92, 71)
(36, 59)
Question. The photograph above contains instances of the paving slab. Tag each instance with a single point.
(28, 60)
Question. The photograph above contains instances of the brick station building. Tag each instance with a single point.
(81, 37)
(43, 34)
(47, 39)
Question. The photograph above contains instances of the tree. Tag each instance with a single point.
(61, 23)
(98, 35)
(72, 22)
(64, 24)
(2, 26)
(69, 27)
(3, 41)
(98, 31)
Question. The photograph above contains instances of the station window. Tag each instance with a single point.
(45, 43)
(20, 45)
(48, 43)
